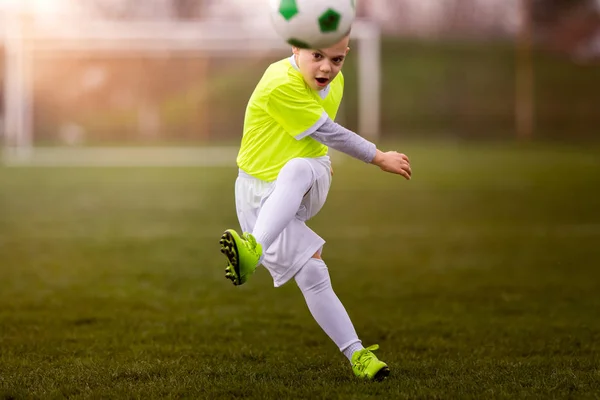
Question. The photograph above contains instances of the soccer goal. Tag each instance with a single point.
(147, 93)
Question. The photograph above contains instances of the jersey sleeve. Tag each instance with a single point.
(295, 110)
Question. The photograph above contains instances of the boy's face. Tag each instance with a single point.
(320, 67)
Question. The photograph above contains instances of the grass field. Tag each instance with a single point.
(479, 279)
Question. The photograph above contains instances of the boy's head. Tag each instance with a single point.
(320, 66)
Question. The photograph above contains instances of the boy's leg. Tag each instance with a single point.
(245, 252)
(293, 182)
(248, 193)
(287, 255)
(326, 308)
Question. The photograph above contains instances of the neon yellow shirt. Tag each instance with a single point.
(281, 114)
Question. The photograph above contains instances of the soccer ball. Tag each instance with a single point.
(312, 24)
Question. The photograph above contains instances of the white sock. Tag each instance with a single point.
(293, 181)
(349, 351)
(325, 307)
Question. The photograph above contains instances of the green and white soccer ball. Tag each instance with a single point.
(312, 24)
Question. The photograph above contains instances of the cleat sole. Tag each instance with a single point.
(382, 374)
(229, 249)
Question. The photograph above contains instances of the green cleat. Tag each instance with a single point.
(367, 366)
(242, 252)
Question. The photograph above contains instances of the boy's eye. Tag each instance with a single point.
(338, 60)
(317, 55)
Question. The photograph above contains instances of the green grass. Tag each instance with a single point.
(479, 279)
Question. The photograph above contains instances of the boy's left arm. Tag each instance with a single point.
(337, 137)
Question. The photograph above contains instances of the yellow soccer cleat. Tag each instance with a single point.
(243, 254)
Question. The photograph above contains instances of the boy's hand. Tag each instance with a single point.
(393, 162)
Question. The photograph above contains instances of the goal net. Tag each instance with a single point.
(98, 92)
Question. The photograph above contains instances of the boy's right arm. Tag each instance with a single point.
(337, 137)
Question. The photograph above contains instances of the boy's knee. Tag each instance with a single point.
(299, 171)
(313, 277)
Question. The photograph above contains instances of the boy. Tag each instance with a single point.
(284, 177)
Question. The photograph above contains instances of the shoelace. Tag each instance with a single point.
(251, 242)
(366, 357)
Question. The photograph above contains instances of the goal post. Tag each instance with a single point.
(26, 42)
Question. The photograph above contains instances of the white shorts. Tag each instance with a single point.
(297, 243)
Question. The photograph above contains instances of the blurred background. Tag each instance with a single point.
(179, 72)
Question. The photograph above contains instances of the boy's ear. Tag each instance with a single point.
(295, 50)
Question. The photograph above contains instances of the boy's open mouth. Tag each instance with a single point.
(322, 81)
